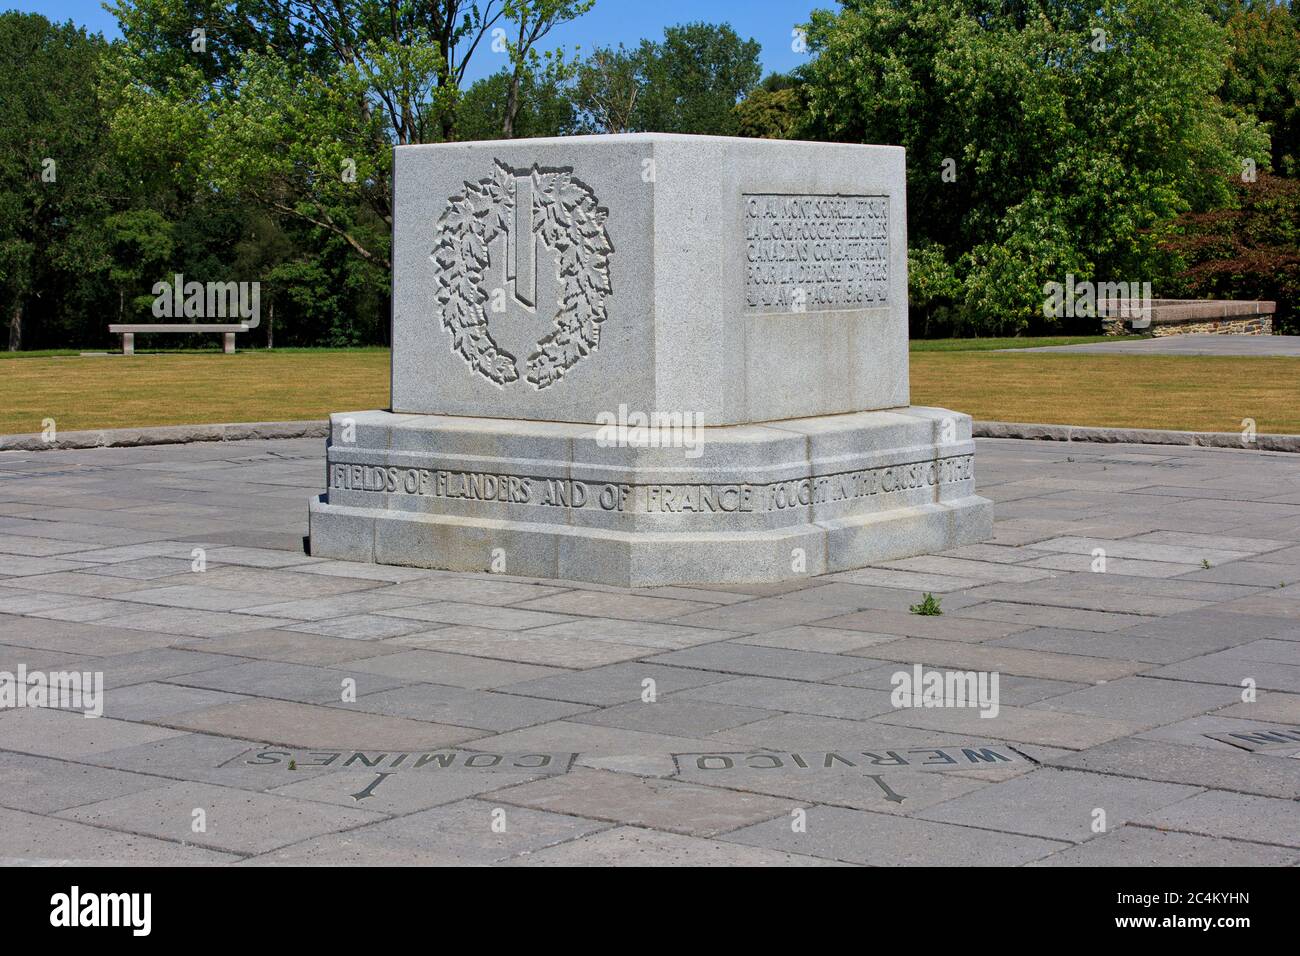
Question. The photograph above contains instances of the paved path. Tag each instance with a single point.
(230, 734)
(1186, 345)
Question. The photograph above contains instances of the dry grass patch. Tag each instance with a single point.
(188, 388)
(1199, 393)
(1182, 392)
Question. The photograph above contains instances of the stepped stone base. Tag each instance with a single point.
(739, 504)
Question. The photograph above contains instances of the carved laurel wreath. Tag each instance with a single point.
(572, 228)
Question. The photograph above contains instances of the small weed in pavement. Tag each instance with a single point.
(929, 606)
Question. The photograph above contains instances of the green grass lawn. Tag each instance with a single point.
(39, 353)
(1200, 393)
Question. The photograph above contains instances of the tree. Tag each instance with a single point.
(1044, 138)
(772, 111)
(1264, 75)
(1250, 250)
(533, 21)
(545, 109)
(142, 246)
(261, 248)
(361, 34)
(606, 90)
(54, 172)
(691, 82)
(296, 104)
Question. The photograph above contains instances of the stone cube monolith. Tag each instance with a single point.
(648, 359)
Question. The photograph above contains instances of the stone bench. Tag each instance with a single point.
(1190, 317)
(128, 332)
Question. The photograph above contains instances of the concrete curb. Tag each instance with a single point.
(164, 435)
(1134, 436)
(242, 431)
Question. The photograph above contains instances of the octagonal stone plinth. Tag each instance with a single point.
(759, 503)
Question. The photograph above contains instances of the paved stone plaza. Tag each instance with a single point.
(1121, 736)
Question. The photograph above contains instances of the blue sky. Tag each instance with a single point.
(609, 23)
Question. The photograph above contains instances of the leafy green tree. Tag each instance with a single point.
(295, 104)
(545, 108)
(54, 173)
(691, 82)
(533, 20)
(607, 88)
(934, 290)
(142, 246)
(1043, 138)
(1264, 75)
(688, 83)
(774, 110)
(262, 247)
(1248, 250)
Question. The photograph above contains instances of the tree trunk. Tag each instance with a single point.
(448, 119)
(270, 326)
(512, 107)
(16, 326)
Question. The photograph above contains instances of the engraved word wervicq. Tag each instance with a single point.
(756, 286)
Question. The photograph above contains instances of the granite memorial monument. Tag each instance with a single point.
(648, 359)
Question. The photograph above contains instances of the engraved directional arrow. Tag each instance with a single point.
(890, 795)
(369, 791)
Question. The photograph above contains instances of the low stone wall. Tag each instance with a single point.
(1029, 431)
(1257, 325)
(1190, 317)
(163, 435)
(184, 434)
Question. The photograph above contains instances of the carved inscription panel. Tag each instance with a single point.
(684, 499)
(815, 253)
